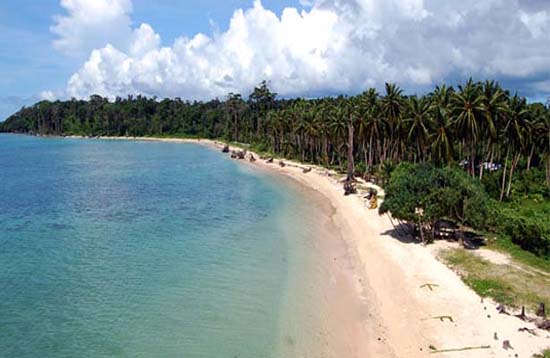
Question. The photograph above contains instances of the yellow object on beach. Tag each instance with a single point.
(373, 204)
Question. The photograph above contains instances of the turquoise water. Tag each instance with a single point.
(134, 249)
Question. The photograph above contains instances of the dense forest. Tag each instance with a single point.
(496, 138)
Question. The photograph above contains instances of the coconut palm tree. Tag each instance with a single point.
(467, 110)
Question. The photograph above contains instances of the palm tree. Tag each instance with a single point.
(391, 105)
(495, 109)
(468, 110)
(417, 120)
(442, 135)
(513, 138)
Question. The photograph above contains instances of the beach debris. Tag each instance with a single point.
(545, 324)
(495, 336)
(306, 170)
(457, 349)
(373, 203)
(443, 318)
(282, 164)
(349, 188)
(541, 311)
(251, 158)
(522, 315)
(502, 310)
(429, 285)
(269, 161)
(506, 345)
(528, 330)
(225, 149)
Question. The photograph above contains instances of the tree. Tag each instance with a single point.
(424, 194)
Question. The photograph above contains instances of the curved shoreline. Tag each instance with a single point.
(390, 276)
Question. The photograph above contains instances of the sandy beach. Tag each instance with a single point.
(390, 277)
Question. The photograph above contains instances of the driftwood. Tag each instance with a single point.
(522, 315)
(528, 330)
(459, 349)
(541, 311)
(502, 310)
(225, 149)
(443, 318)
(429, 285)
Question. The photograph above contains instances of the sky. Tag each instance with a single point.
(202, 49)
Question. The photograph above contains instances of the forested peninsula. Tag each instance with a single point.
(485, 151)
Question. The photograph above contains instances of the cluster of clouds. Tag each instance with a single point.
(321, 47)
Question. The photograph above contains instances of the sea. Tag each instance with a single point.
(118, 248)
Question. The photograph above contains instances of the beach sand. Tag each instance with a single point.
(394, 316)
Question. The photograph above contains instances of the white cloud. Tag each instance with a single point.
(91, 24)
(331, 46)
(47, 95)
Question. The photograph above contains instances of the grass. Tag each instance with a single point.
(504, 244)
(513, 285)
(544, 354)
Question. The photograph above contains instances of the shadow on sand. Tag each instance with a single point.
(405, 234)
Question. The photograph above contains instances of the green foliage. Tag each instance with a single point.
(527, 224)
(543, 354)
(423, 193)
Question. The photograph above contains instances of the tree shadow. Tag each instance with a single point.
(405, 234)
(402, 234)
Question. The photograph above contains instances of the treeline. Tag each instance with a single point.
(477, 125)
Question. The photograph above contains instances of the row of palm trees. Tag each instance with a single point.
(478, 125)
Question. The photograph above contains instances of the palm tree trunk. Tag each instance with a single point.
(503, 185)
(512, 167)
(351, 164)
(530, 157)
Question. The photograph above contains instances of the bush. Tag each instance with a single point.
(528, 229)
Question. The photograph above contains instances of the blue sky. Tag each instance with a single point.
(58, 49)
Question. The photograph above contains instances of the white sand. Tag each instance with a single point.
(389, 275)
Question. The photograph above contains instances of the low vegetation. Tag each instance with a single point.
(545, 354)
(513, 284)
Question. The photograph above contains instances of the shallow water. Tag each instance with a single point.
(134, 249)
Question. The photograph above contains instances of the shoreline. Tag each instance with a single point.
(389, 278)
